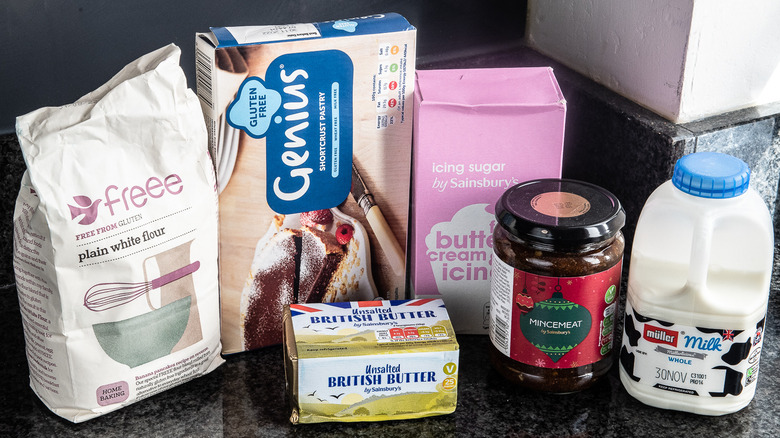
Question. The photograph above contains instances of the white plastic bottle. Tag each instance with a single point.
(698, 287)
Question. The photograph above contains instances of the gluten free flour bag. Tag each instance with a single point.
(115, 242)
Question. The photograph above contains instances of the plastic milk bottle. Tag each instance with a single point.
(698, 286)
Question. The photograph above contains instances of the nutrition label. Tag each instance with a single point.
(411, 333)
(389, 84)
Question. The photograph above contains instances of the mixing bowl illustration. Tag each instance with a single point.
(146, 337)
(169, 326)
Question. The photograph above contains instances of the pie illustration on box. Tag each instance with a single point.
(311, 257)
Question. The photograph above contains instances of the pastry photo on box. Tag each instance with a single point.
(310, 132)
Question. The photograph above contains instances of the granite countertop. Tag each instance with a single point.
(246, 395)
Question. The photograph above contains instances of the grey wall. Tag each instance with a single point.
(54, 51)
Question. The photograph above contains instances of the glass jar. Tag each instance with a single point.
(556, 270)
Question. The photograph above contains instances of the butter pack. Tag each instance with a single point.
(310, 129)
(370, 360)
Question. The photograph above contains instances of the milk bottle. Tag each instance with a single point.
(698, 287)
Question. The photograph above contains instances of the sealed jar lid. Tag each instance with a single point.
(560, 212)
(711, 175)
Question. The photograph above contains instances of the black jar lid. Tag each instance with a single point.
(560, 212)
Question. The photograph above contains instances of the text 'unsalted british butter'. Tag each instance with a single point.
(370, 360)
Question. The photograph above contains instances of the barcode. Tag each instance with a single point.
(500, 335)
(203, 77)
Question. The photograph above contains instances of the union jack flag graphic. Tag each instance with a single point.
(728, 335)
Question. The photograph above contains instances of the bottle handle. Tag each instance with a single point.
(701, 250)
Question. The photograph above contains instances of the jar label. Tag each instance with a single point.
(553, 322)
(703, 362)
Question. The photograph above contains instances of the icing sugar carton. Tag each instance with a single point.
(310, 130)
(370, 360)
(477, 132)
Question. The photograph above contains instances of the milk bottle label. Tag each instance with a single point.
(698, 361)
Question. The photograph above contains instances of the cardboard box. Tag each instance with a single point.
(477, 132)
(370, 361)
(291, 111)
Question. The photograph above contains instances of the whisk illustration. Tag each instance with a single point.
(104, 296)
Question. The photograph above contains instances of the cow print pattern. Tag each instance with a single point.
(737, 353)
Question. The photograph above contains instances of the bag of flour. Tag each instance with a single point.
(115, 242)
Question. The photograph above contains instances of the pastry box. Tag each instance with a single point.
(310, 132)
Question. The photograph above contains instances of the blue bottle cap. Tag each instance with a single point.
(711, 175)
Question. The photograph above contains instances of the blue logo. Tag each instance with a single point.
(303, 109)
(254, 107)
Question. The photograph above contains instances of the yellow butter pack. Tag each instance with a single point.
(370, 360)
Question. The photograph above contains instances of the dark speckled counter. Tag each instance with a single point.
(610, 141)
(245, 397)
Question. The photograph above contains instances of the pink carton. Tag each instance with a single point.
(477, 132)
